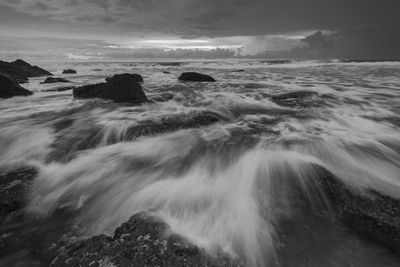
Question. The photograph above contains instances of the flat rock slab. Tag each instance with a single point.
(195, 77)
(141, 241)
(55, 80)
(69, 71)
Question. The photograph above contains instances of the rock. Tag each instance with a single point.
(166, 72)
(141, 241)
(273, 62)
(137, 77)
(173, 123)
(59, 89)
(297, 99)
(369, 213)
(170, 64)
(9, 88)
(120, 89)
(21, 70)
(195, 77)
(55, 80)
(14, 187)
(69, 71)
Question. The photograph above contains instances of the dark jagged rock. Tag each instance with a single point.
(137, 77)
(195, 77)
(120, 89)
(69, 71)
(14, 187)
(55, 80)
(21, 70)
(369, 213)
(166, 72)
(9, 88)
(141, 241)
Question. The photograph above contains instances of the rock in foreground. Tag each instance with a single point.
(55, 80)
(369, 213)
(69, 71)
(14, 187)
(9, 88)
(120, 89)
(195, 77)
(21, 70)
(139, 242)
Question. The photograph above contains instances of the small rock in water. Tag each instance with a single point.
(137, 77)
(9, 87)
(195, 77)
(69, 71)
(55, 80)
(119, 88)
(140, 241)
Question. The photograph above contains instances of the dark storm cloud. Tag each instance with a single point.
(223, 17)
(103, 19)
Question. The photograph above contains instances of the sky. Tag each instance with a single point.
(129, 29)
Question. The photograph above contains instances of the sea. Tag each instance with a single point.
(222, 163)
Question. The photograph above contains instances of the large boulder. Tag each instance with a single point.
(55, 80)
(141, 241)
(195, 77)
(69, 71)
(137, 77)
(21, 70)
(120, 89)
(9, 87)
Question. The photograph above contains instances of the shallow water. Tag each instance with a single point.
(232, 165)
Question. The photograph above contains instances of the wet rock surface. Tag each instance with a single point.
(9, 87)
(368, 213)
(55, 80)
(21, 70)
(142, 241)
(69, 71)
(195, 77)
(120, 89)
(14, 187)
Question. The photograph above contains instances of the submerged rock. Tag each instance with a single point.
(120, 89)
(137, 77)
(368, 213)
(14, 187)
(69, 71)
(21, 70)
(55, 80)
(297, 99)
(141, 241)
(9, 88)
(195, 77)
